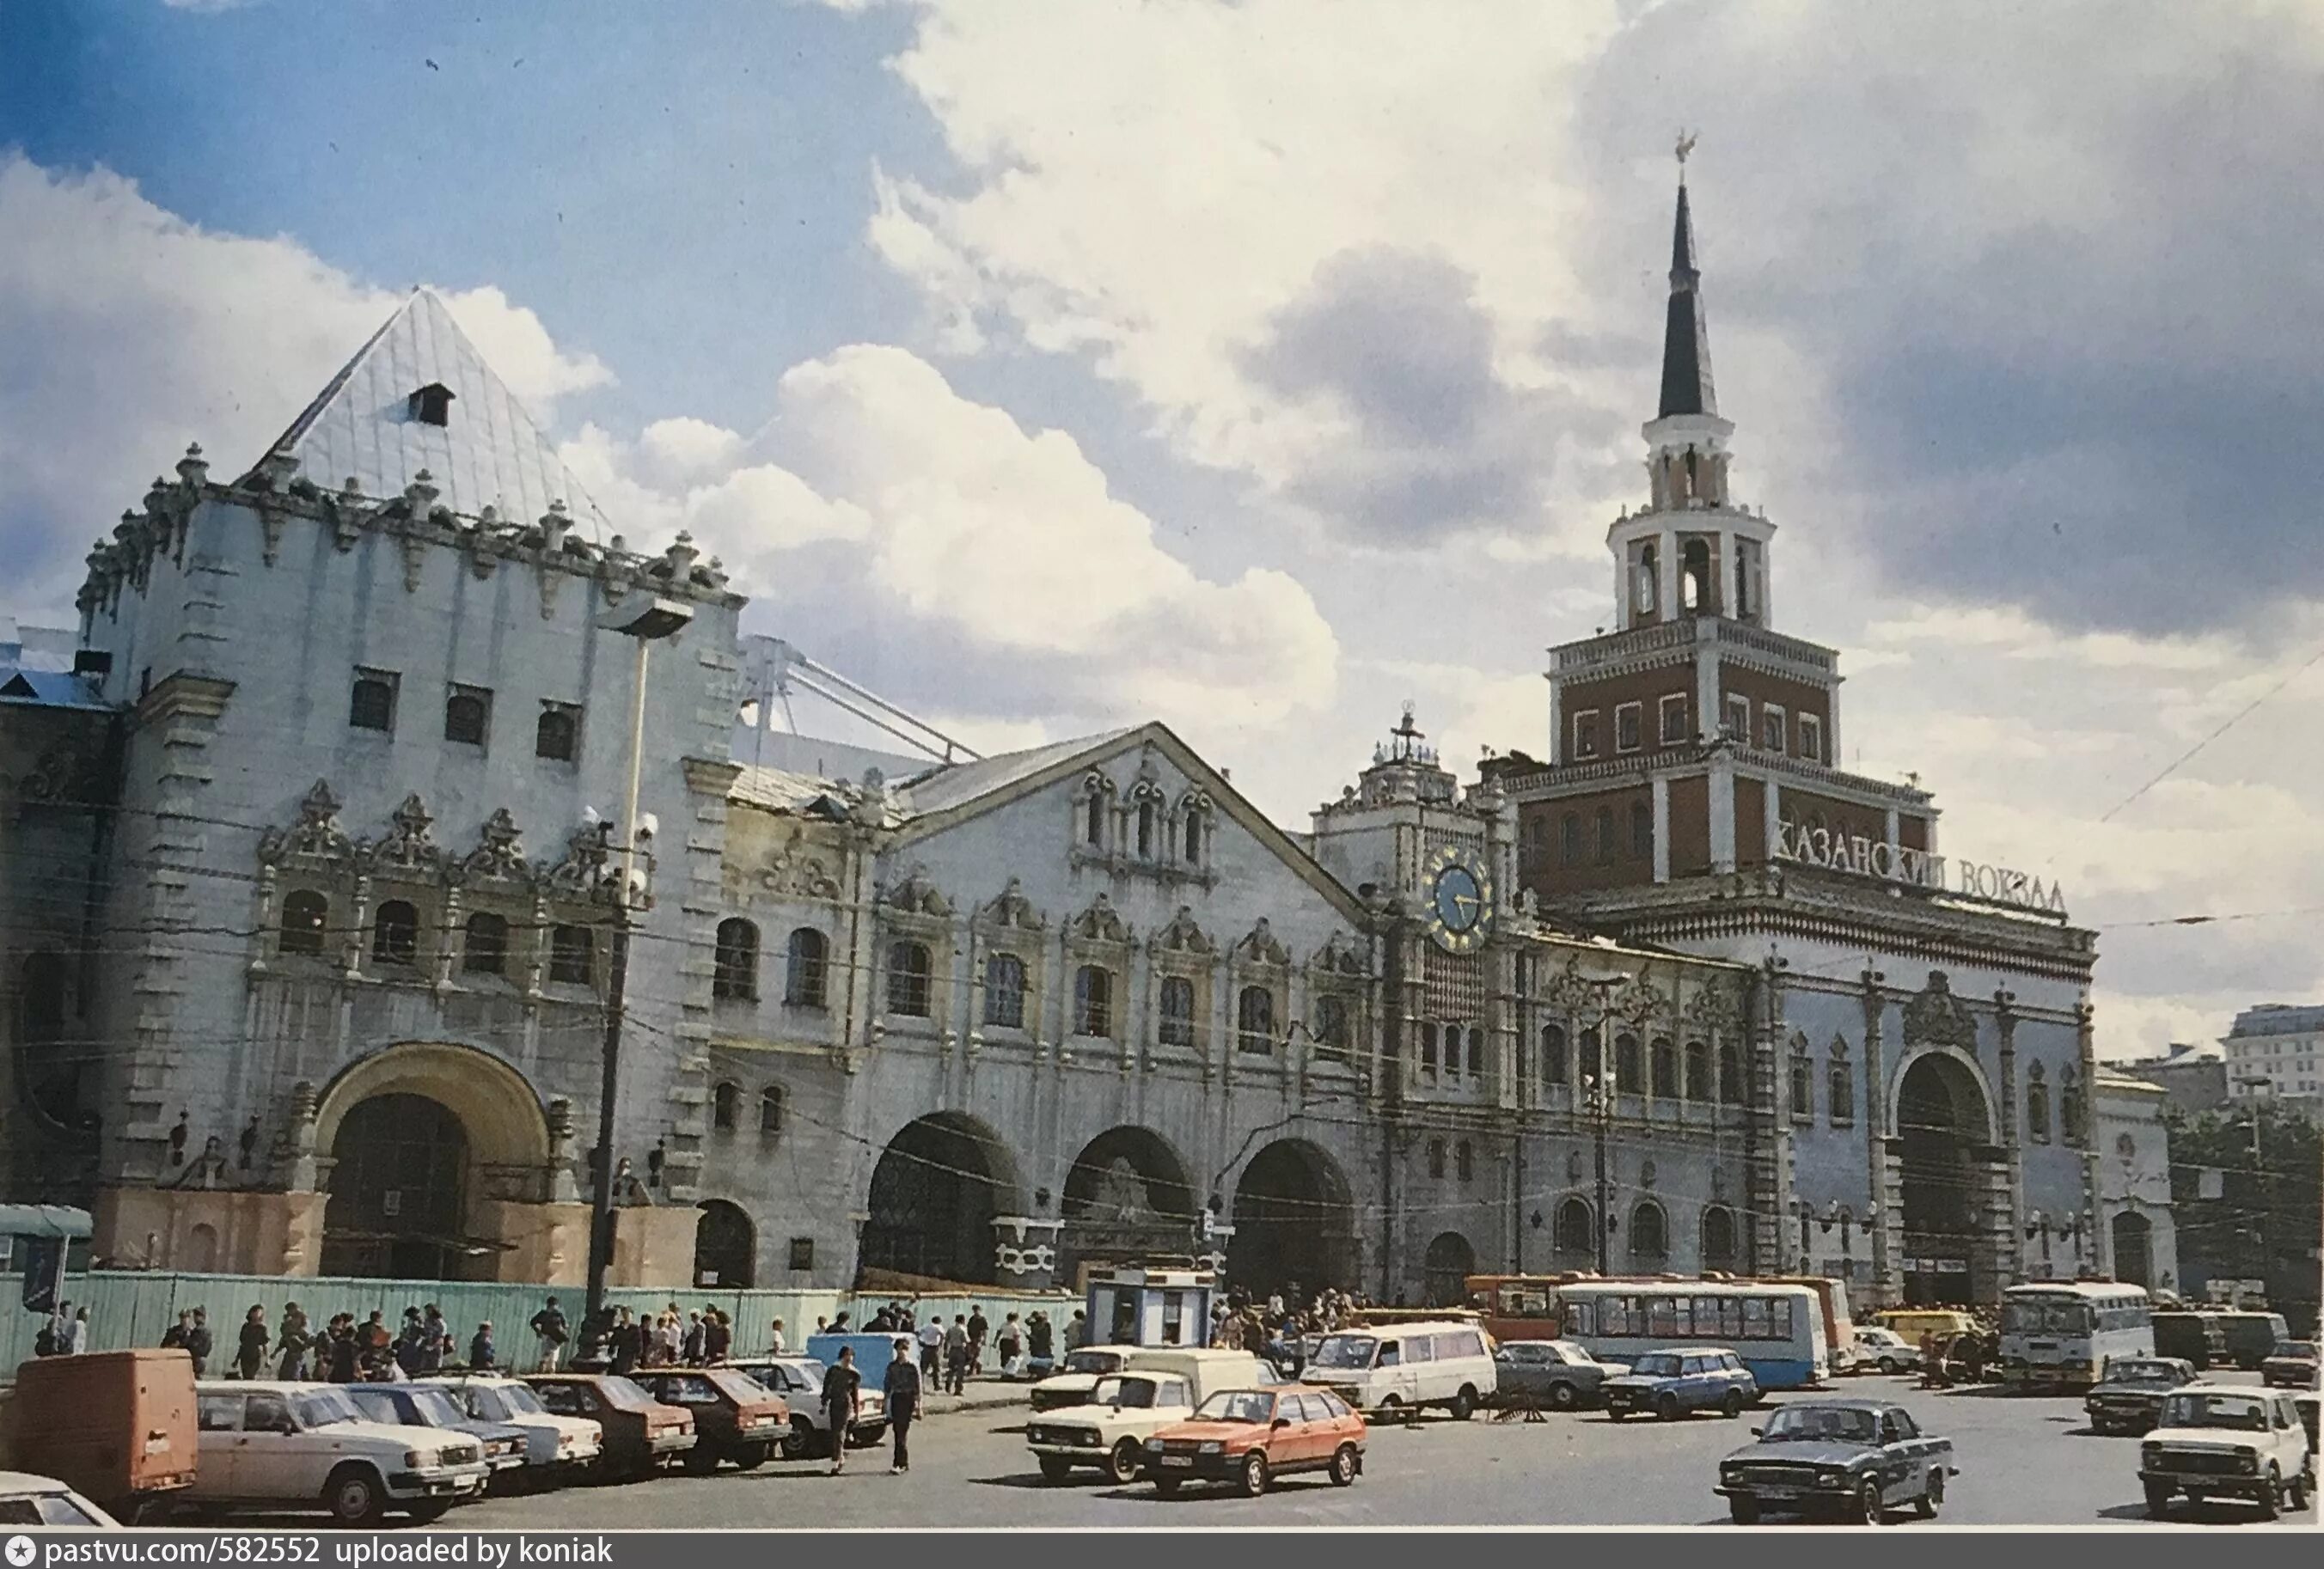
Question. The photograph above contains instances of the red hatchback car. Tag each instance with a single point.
(1249, 1437)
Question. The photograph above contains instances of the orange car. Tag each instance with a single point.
(1250, 1437)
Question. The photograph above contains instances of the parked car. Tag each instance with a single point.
(1855, 1459)
(115, 1425)
(2227, 1441)
(2291, 1366)
(1251, 1436)
(2129, 1398)
(639, 1432)
(26, 1500)
(2252, 1336)
(2199, 1339)
(1913, 1323)
(422, 1405)
(282, 1446)
(798, 1379)
(1157, 1387)
(1071, 1384)
(1559, 1373)
(1397, 1369)
(735, 1416)
(1672, 1383)
(557, 1448)
(1885, 1350)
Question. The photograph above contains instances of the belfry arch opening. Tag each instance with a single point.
(399, 1191)
(939, 1184)
(1294, 1227)
(1944, 1128)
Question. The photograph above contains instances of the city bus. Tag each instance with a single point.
(1839, 1325)
(1776, 1330)
(1527, 1306)
(2062, 1334)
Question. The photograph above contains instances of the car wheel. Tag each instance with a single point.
(1666, 1408)
(749, 1457)
(701, 1460)
(1868, 1503)
(1391, 1409)
(2158, 1501)
(1565, 1396)
(1732, 1406)
(1933, 1497)
(1254, 1474)
(799, 1444)
(1464, 1404)
(1888, 1365)
(1743, 1509)
(1123, 1466)
(355, 1498)
(427, 1511)
(1056, 1467)
(2271, 1495)
(1343, 1465)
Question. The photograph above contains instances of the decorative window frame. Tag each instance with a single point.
(1735, 723)
(1260, 960)
(1782, 727)
(1094, 800)
(2038, 1124)
(1197, 814)
(912, 910)
(744, 991)
(1811, 733)
(1340, 972)
(1145, 799)
(1635, 713)
(1097, 936)
(1671, 702)
(1182, 950)
(1801, 1073)
(1840, 1085)
(1585, 738)
(1009, 925)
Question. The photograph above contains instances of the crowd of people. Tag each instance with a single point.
(1276, 1326)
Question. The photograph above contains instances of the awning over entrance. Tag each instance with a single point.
(49, 1220)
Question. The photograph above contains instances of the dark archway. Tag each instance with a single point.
(53, 1074)
(398, 1190)
(725, 1246)
(1450, 1262)
(935, 1193)
(1943, 1127)
(1127, 1198)
(1719, 1238)
(1293, 1224)
(2133, 1249)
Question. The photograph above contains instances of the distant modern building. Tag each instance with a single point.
(2194, 1078)
(2275, 1053)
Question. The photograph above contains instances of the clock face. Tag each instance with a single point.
(1459, 900)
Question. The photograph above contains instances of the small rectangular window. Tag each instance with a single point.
(467, 715)
(1627, 719)
(1811, 738)
(557, 734)
(371, 704)
(1772, 733)
(1585, 733)
(1674, 720)
(1738, 718)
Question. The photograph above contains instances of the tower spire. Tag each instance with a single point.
(1686, 342)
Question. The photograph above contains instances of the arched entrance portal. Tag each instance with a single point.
(398, 1190)
(938, 1187)
(1943, 1132)
(725, 1246)
(2133, 1249)
(1127, 1198)
(1294, 1227)
(1450, 1261)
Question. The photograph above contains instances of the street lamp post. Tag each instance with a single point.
(647, 619)
(1599, 1104)
(2259, 1086)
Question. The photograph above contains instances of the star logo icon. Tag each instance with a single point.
(19, 1551)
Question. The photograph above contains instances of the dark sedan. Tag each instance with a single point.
(2129, 1398)
(2291, 1366)
(1559, 1373)
(1851, 1460)
(430, 1406)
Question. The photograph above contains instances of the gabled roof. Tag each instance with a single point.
(946, 786)
(47, 688)
(361, 427)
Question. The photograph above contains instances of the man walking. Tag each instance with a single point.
(955, 1354)
(902, 1388)
(932, 1339)
(292, 1344)
(197, 1343)
(717, 1336)
(691, 1352)
(843, 1388)
(249, 1352)
(76, 1339)
(775, 1346)
(480, 1349)
(550, 1333)
(979, 1329)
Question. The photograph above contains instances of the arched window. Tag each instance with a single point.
(371, 706)
(770, 1111)
(1839, 1090)
(1004, 991)
(466, 713)
(1569, 839)
(907, 979)
(1696, 592)
(1255, 1019)
(1649, 1231)
(1642, 830)
(305, 914)
(572, 955)
(726, 1105)
(1802, 1088)
(396, 933)
(734, 964)
(557, 734)
(1092, 1001)
(1717, 1237)
(1625, 1063)
(1552, 1054)
(1663, 1060)
(1698, 1070)
(1146, 830)
(1436, 1157)
(1331, 1025)
(1575, 1233)
(1476, 1051)
(804, 967)
(1605, 835)
(1192, 850)
(1464, 1160)
(1177, 1024)
(1428, 1050)
(486, 950)
(1731, 1074)
(2037, 1106)
(2069, 1109)
(1094, 821)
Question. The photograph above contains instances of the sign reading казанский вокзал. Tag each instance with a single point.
(1871, 858)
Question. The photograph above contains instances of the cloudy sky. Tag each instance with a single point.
(1260, 366)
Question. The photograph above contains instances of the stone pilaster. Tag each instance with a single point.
(2005, 1019)
(1767, 1149)
(1888, 1276)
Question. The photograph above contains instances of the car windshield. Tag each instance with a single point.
(1656, 1365)
(1093, 1362)
(1236, 1406)
(735, 1385)
(436, 1409)
(323, 1408)
(2304, 1349)
(1573, 1350)
(1129, 1394)
(805, 1375)
(1346, 1350)
(2045, 1318)
(622, 1395)
(520, 1401)
(2142, 1372)
(1844, 1424)
(2237, 1411)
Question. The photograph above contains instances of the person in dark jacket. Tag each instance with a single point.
(344, 1353)
(627, 1343)
(717, 1336)
(250, 1351)
(842, 1391)
(480, 1349)
(197, 1343)
(293, 1345)
(174, 1337)
(902, 1387)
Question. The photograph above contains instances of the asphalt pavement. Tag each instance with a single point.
(2024, 1459)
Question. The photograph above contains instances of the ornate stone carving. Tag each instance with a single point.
(316, 835)
(1260, 946)
(1184, 934)
(1935, 1017)
(1122, 1194)
(1011, 910)
(1342, 955)
(1101, 922)
(1715, 1008)
(581, 875)
(915, 895)
(1639, 1001)
(497, 854)
(407, 848)
(1572, 993)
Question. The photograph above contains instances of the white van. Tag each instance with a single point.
(1397, 1369)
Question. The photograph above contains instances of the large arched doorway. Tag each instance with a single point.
(725, 1246)
(1294, 1227)
(1127, 1197)
(398, 1190)
(938, 1185)
(1449, 1263)
(1943, 1129)
(2133, 1249)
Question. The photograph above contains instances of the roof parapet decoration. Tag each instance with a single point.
(318, 846)
(1936, 1017)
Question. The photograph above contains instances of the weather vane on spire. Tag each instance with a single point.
(1685, 145)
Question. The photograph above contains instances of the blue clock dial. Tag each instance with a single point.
(1460, 903)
